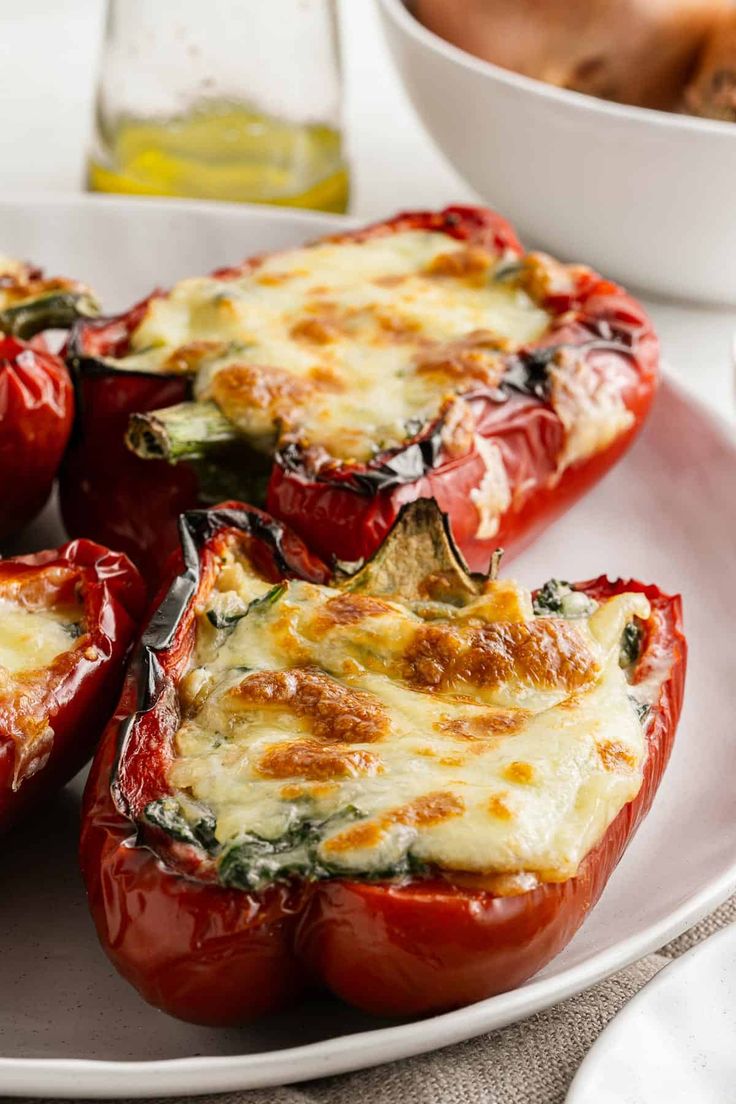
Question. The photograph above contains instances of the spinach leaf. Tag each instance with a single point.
(167, 813)
(228, 619)
(224, 620)
(548, 598)
(269, 598)
(255, 862)
(558, 597)
(630, 644)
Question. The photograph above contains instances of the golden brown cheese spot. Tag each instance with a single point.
(471, 264)
(186, 359)
(334, 713)
(547, 654)
(542, 276)
(428, 810)
(361, 837)
(504, 722)
(615, 756)
(319, 790)
(326, 377)
(396, 326)
(521, 773)
(498, 808)
(347, 609)
(473, 358)
(315, 331)
(286, 640)
(502, 600)
(424, 812)
(389, 281)
(242, 387)
(317, 762)
(274, 279)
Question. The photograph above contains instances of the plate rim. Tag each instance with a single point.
(82, 1078)
(662, 979)
(60, 1077)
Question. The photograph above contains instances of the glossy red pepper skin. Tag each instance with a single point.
(76, 693)
(345, 512)
(219, 956)
(108, 494)
(36, 413)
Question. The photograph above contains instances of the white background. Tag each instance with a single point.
(48, 61)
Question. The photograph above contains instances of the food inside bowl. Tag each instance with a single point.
(639, 52)
(712, 90)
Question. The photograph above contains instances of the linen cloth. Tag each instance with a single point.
(532, 1062)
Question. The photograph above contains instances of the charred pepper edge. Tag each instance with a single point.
(196, 527)
(526, 375)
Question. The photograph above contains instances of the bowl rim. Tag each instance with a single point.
(399, 13)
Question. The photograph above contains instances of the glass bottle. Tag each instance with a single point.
(221, 99)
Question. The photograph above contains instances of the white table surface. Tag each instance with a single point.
(48, 60)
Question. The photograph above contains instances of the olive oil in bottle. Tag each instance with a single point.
(234, 100)
(226, 152)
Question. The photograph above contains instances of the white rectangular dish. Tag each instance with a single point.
(69, 1026)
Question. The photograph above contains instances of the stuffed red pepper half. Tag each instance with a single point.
(67, 619)
(409, 785)
(36, 396)
(426, 356)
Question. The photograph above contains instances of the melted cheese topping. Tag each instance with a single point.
(347, 346)
(478, 739)
(30, 639)
(20, 282)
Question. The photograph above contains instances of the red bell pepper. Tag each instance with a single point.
(343, 510)
(51, 716)
(36, 396)
(36, 412)
(108, 494)
(217, 955)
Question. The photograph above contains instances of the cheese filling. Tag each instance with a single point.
(31, 639)
(326, 733)
(345, 346)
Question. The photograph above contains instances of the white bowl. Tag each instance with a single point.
(647, 197)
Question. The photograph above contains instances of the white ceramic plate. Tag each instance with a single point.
(70, 1027)
(675, 1040)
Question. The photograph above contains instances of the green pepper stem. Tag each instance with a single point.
(186, 431)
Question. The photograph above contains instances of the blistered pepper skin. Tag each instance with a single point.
(336, 511)
(213, 955)
(77, 692)
(36, 413)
